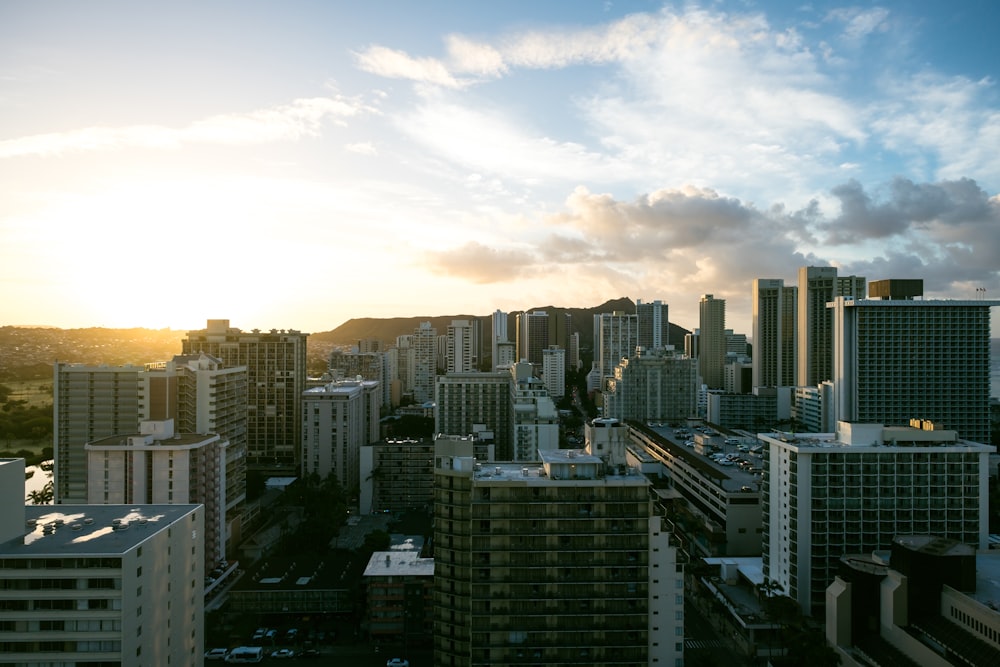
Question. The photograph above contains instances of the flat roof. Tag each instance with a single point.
(61, 530)
(399, 563)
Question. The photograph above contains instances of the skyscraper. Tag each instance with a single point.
(460, 347)
(819, 285)
(618, 337)
(276, 377)
(338, 419)
(553, 563)
(554, 371)
(850, 492)
(465, 400)
(532, 336)
(424, 362)
(712, 341)
(897, 357)
(500, 335)
(202, 395)
(89, 402)
(653, 325)
(773, 333)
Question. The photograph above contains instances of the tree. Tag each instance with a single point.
(42, 496)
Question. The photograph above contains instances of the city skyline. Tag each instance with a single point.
(403, 161)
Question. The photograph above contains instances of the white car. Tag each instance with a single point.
(216, 654)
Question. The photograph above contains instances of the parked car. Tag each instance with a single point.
(283, 653)
(397, 662)
(216, 654)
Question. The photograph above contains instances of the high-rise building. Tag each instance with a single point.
(500, 335)
(202, 395)
(424, 350)
(396, 474)
(89, 402)
(99, 584)
(536, 420)
(573, 361)
(465, 400)
(338, 419)
(554, 371)
(853, 491)
(460, 347)
(656, 387)
(818, 286)
(556, 562)
(276, 377)
(160, 466)
(773, 333)
(711, 341)
(532, 336)
(653, 325)
(618, 336)
(898, 357)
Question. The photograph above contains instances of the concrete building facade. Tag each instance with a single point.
(773, 333)
(556, 562)
(899, 357)
(852, 491)
(99, 584)
(275, 362)
(338, 419)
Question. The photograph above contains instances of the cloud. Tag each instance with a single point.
(694, 240)
(393, 64)
(859, 23)
(362, 148)
(301, 118)
(480, 264)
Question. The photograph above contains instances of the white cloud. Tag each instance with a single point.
(393, 64)
(362, 148)
(303, 117)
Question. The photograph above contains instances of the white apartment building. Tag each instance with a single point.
(99, 584)
(424, 362)
(460, 350)
(554, 371)
(852, 491)
(536, 420)
(338, 419)
(652, 387)
(898, 356)
(617, 340)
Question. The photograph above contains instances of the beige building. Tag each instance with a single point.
(89, 402)
(551, 562)
(159, 466)
(275, 362)
(99, 584)
(338, 419)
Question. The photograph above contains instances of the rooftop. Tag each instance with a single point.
(97, 530)
(399, 563)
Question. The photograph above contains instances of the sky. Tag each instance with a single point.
(296, 164)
